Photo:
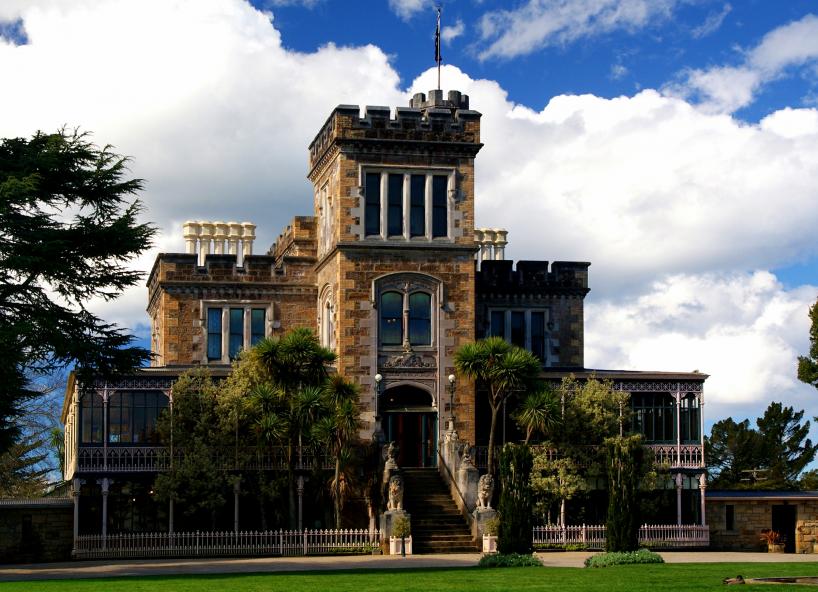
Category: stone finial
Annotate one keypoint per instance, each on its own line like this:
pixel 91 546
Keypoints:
pixel 233 237
pixel 500 243
pixel 190 230
pixel 220 230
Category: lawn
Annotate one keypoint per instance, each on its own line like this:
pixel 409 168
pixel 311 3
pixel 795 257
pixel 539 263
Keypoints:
pixel 630 578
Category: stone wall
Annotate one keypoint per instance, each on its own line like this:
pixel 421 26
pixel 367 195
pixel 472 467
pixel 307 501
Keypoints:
pixel 753 516
pixel 32 533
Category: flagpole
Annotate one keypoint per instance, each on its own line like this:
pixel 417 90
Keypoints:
pixel 438 57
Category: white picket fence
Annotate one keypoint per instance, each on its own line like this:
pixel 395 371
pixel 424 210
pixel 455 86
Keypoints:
pixel 592 536
pixel 286 543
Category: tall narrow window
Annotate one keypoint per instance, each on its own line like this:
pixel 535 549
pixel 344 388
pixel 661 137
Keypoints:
pixel 120 418
pixel 440 222
pixel 729 517
pixel 417 205
pixel 214 333
pixel 420 319
pixel 236 340
pixel 372 210
pixel 257 317
pixel 498 324
pixel 395 206
pixel 538 334
pixel 391 318
pixel 518 328
pixel 91 422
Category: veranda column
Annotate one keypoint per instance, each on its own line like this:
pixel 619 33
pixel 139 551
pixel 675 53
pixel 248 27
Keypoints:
pixel 236 491
pixel 105 483
pixel 678 396
pixel 679 483
pixel 76 485
pixel 300 486
pixel 702 491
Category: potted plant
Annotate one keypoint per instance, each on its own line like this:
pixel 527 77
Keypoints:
pixel 401 539
pixel 774 540
pixel 490 530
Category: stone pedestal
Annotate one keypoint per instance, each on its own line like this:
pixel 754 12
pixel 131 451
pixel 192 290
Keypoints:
pixel 467 478
pixel 481 517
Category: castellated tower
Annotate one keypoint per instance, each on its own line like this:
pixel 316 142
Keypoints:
pixel 395 271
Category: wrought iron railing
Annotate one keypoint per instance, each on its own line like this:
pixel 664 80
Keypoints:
pixel 286 543
pixel 158 458
pixel 592 536
pixel 686 456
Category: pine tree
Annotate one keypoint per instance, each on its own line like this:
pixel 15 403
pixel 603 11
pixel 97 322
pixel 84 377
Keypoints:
pixel 69 227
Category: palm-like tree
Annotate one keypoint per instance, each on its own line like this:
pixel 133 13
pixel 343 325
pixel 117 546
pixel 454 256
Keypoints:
pixel 297 366
pixel 538 413
pixel 500 368
pixel 338 429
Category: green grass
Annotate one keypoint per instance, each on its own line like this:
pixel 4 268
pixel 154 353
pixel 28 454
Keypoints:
pixel 625 578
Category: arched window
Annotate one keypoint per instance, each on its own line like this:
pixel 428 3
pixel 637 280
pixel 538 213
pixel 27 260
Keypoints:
pixel 420 319
pixel 391 318
pixel 327 325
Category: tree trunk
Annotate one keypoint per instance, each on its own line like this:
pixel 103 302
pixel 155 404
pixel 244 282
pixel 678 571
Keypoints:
pixel 528 433
pixel 490 463
pixel 562 512
pixel 337 485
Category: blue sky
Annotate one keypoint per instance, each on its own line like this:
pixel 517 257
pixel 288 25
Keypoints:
pixel 669 142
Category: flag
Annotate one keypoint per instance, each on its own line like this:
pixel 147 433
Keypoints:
pixel 438 58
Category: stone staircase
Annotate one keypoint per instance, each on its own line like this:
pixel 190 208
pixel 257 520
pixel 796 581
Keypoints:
pixel 437 524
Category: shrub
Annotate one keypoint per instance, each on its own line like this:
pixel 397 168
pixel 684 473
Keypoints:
pixel 401 528
pixel 509 560
pixel 515 506
pixel 492 526
pixel 623 558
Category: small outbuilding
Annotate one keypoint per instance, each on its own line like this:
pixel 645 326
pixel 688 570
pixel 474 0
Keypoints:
pixel 738 518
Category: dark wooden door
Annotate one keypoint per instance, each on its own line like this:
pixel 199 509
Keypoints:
pixel 784 524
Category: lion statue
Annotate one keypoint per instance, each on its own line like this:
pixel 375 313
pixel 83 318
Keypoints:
pixel 485 491
pixel 395 493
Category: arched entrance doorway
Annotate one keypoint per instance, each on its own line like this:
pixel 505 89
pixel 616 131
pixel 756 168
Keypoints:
pixel 411 422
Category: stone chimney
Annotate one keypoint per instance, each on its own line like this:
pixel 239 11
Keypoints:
pixel 233 238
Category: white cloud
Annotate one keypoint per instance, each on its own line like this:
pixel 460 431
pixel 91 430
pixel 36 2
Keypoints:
pixel 745 325
pixel 618 71
pixel 725 89
pixel 406 9
pixel 450 33
pixel 540 23
pixel 218 115
pixel 712 23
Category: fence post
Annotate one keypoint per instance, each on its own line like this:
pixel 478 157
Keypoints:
pixel 305 543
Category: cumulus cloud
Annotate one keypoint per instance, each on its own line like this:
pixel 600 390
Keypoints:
pixel 667 201
pixel 744 324
pixel 540 23
pixel 727 88
pixel 450 33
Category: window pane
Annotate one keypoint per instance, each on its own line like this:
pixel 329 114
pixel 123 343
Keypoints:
pixel 214 333
pixel 257 316
pixel 498 324
pixel 440 226
pixel 518 328
pixel 391 318
pixel 417 211
pixel 395 201
pixel 538 334
pixel 420 319
pixel 236 332
pixel 372 212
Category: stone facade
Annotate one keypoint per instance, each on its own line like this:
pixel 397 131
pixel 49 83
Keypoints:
pixel 38 530
pixel 752 516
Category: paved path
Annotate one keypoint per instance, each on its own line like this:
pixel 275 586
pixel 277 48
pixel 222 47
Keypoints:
pixel 102 569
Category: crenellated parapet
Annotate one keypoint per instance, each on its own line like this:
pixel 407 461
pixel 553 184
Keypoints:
pixel 534 277
pixel 432 119
pixel 298 240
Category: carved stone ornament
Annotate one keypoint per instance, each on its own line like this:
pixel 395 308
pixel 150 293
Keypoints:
pixel 485 491
pixel 408 360
pixel 395 493
pixel 465 458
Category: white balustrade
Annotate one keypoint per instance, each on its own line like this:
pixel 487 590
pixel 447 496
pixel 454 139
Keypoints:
pixel 286 543
pixel 670 536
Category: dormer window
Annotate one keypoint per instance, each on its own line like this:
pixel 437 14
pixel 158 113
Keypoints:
pixel 407 204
